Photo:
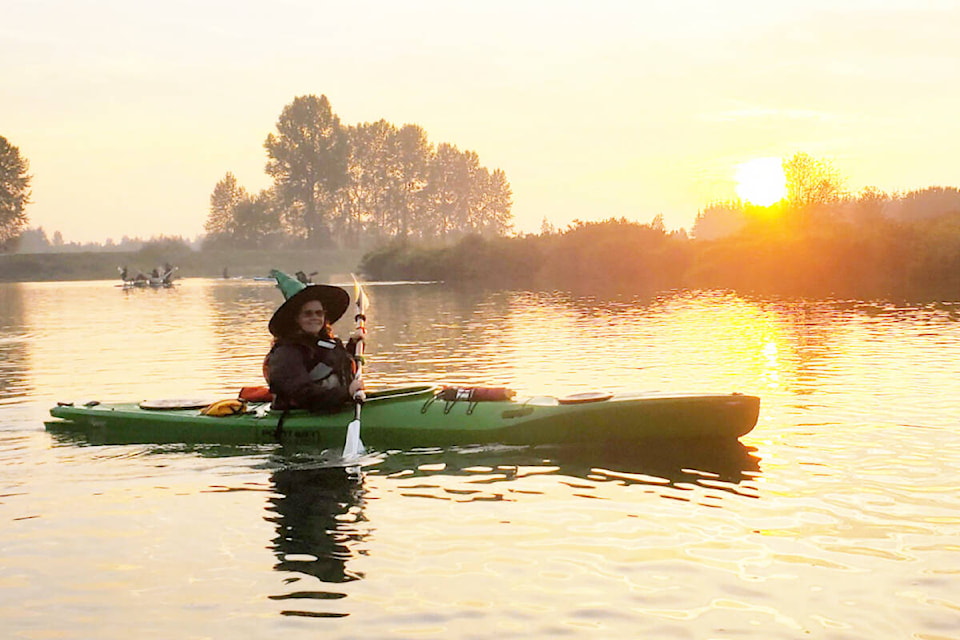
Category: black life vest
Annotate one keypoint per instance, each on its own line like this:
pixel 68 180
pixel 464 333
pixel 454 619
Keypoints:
pixel 323 359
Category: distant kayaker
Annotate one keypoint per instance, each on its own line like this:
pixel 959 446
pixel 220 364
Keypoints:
pixel 308 367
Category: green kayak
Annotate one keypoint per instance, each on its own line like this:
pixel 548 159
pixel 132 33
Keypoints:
pixel 419 416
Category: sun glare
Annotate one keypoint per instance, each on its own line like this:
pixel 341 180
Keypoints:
pixel 761 181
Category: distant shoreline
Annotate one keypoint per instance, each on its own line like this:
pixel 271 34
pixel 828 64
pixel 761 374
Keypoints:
pixel 66 267
pixel 458 269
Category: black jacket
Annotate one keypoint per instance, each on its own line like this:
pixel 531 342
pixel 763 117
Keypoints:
pixel 307 373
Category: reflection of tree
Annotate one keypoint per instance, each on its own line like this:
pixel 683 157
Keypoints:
pixel 13 347
pixel 410 325
pixel 317 511
pixel 239 314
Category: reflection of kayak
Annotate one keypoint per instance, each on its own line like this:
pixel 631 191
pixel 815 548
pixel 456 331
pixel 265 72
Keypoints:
pixel 417 416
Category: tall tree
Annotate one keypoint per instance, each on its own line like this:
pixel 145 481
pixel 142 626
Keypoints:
pixel 371 160
pixel 470 183
pixel 719 220
pixel 461 196
pixel 14 192
pixel 33 241
pixel 409 178
pixel 868 208
pixel 226 196
pixel 256 221
pixel 493 203
pixel 308 162
pixel 444 194
pixel 811 183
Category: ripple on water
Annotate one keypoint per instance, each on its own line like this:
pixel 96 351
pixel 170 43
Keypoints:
pixel 835 518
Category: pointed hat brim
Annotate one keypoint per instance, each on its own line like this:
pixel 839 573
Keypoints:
pixel 334 300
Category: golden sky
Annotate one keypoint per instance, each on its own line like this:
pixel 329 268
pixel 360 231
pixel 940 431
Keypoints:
pixel 131 111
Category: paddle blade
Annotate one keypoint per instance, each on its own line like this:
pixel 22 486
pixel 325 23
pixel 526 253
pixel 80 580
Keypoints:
pixel 353 447
pixel 360 296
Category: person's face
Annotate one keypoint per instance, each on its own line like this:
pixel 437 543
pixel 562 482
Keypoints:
pixel 311 318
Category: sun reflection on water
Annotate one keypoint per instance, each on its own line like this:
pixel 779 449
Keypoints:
pixel 842 497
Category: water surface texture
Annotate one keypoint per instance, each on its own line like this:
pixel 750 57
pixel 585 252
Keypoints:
pixel 837 517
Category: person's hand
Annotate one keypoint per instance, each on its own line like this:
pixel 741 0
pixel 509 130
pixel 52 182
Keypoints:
pixel 359 335
pixel 355 386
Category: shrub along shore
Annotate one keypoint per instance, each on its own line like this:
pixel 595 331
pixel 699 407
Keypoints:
pixel 889 260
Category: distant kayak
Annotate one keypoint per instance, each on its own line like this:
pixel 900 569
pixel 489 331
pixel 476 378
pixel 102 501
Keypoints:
pixel 423 416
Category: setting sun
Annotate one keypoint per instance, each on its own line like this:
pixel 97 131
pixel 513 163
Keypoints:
pixel 761 181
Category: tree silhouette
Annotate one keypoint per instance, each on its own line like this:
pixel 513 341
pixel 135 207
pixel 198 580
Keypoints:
pixel 308 162
pixel 811 183
pixel 14 192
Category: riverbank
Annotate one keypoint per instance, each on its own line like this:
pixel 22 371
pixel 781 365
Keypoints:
pixel 816 258
pixel 46 267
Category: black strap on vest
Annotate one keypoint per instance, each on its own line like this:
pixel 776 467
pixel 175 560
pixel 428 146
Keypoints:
pixel 278 432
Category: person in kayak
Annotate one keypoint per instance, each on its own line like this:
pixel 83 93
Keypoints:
pixel 308 367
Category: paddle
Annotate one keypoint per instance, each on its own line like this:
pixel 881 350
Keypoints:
pixel 353 447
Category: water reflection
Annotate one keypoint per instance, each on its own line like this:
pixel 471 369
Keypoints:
pixel 322 527
pixel 724 465
pixel 210 335
pixel 436 332
pixel 841 499
pixel 542 342
pixel 318 513
pixel 14 341
pixel 239 313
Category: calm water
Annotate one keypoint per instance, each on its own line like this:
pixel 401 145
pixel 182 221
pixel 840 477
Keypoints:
pixel 837 517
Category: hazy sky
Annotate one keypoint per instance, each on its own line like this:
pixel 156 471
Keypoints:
pixel 131 111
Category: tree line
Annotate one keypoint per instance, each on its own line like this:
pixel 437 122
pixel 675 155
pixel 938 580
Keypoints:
pixel 819 240
pixel 436 214
pixel 343 185
pixel 816 193
pixel 37 241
